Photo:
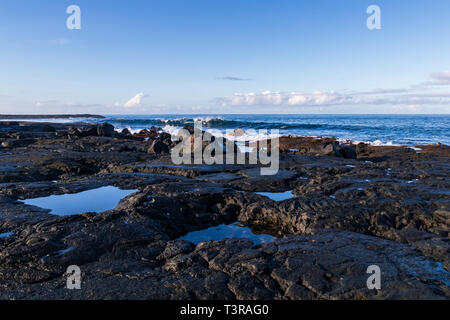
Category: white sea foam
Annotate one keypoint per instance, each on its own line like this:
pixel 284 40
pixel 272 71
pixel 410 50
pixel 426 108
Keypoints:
pixel 251 135
pixel 377 143
pixel 208 119
pixel 173 131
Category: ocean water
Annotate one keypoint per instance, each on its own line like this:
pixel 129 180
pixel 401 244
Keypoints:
pixel 375 129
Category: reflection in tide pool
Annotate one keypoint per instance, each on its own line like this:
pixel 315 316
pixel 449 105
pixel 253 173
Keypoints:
pixel 97 200
pixel 6 235
pixel 63 252
pixel 277 196
pixel 234 230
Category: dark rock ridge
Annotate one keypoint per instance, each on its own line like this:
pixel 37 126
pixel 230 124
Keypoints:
pixel 385 206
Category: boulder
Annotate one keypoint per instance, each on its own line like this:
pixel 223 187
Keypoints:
pixel 105 130
pixel 237 132
pixel 126 132
pixel 346 151
pixel 158 147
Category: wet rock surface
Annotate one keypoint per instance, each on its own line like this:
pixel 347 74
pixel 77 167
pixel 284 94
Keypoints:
pixel 353 206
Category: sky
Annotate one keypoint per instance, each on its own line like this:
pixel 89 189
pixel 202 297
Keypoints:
pixel 224 56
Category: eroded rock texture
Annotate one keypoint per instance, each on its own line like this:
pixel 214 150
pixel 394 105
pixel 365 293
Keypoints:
pixel 353 206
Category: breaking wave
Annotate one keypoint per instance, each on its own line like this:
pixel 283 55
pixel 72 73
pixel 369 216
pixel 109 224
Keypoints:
pixel 220 123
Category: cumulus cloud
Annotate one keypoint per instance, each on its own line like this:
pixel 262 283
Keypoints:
pixel 316 98
pixel 320 98
pixel 423 94
pixel 136 101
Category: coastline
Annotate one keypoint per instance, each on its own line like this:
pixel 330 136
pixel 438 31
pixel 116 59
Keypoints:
pixel 51 116
pixel 376 130
pixel 385 205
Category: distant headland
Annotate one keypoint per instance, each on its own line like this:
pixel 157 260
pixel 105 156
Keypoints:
pixel 49 116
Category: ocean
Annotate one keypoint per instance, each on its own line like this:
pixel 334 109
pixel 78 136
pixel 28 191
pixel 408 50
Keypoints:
pixel 374 129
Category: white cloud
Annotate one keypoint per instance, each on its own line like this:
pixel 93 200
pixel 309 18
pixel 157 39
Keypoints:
pixel 324 99
pixel 382 91
pixel 438 79
pixel 136 101
pixel 413 96
pixel 441 78
pixel 316 98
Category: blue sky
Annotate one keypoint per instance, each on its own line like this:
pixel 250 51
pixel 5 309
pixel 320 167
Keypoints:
pixel 224 56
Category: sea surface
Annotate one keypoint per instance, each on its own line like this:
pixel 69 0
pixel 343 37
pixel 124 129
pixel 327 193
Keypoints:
pixel 375 129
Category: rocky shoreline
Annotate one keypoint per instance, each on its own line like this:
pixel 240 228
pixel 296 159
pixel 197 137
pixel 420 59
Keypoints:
pixel 353 206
